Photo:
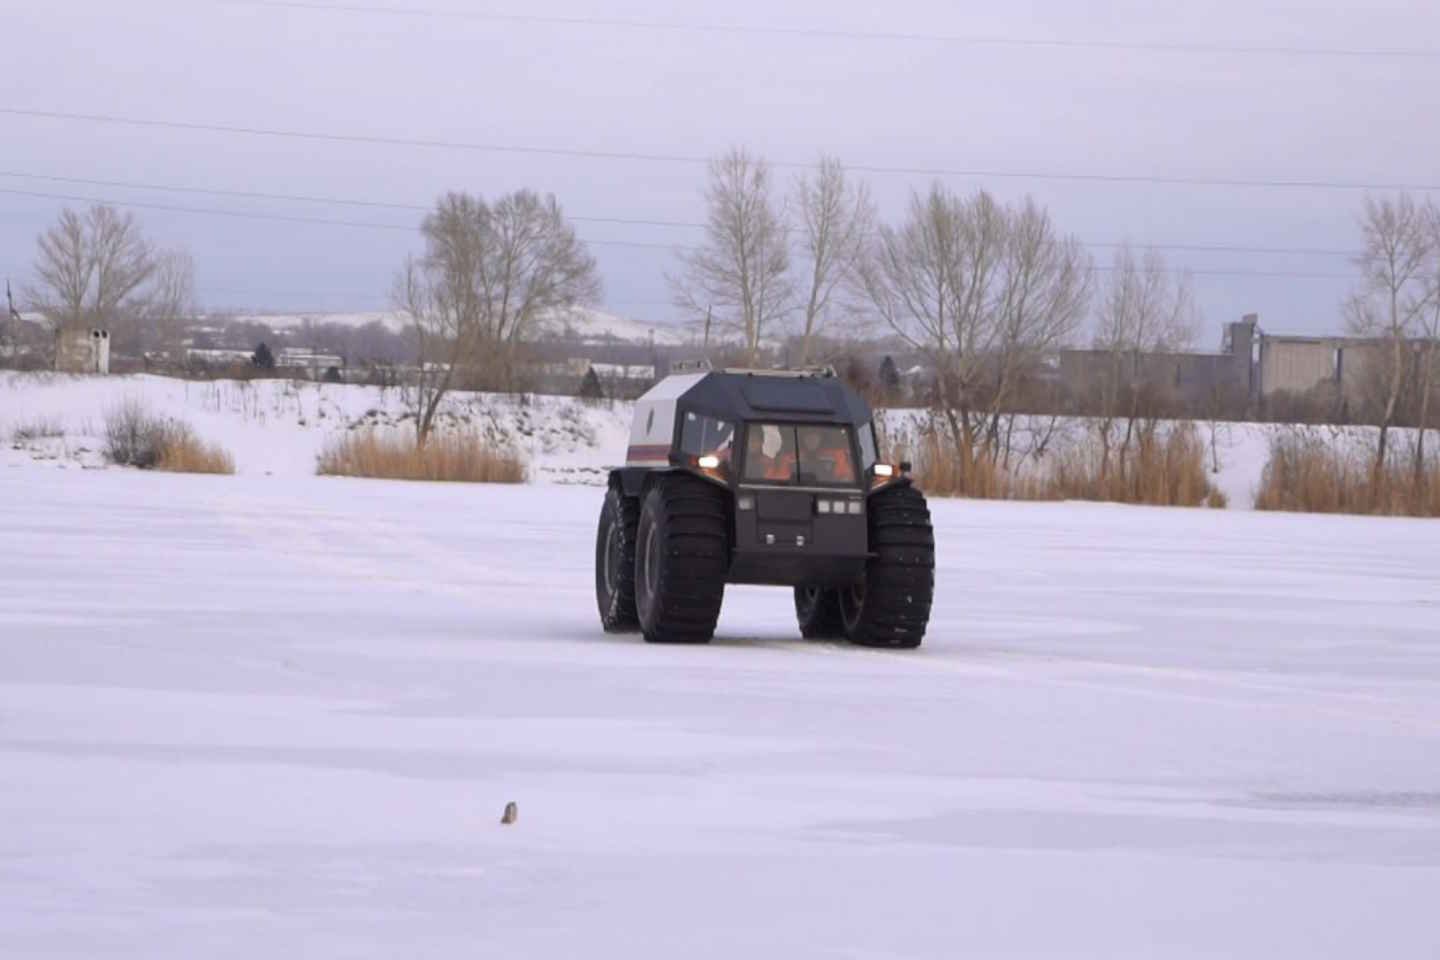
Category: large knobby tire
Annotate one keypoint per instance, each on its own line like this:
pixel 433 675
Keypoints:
pixel 818 610
pixel 615 562
pixel 891 607
pixel 681 559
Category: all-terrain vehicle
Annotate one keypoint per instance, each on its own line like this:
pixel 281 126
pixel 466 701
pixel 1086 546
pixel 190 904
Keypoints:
pixel 762 477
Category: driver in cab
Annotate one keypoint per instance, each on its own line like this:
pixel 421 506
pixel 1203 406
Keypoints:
pixel 761 466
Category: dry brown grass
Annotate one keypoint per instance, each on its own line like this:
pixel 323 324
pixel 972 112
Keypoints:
pixel 1307 474
pixel 447 457
pixel 183 452
pixel 1166 469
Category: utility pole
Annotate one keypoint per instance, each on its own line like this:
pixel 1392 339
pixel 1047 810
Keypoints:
pixel 708 312
pixel 12 316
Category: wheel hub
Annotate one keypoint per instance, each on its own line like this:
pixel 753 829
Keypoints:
pixel 612 558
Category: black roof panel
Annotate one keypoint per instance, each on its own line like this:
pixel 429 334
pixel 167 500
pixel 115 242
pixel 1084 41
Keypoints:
pixel 750 397
pixel 787 396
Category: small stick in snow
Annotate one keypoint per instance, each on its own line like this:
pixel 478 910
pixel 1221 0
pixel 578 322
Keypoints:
pixel 512 813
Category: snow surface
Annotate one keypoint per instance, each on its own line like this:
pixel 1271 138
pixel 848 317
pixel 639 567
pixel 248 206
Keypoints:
pixel 281 716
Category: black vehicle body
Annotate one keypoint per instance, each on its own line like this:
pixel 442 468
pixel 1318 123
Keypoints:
pixel 770 478
pixel 778 534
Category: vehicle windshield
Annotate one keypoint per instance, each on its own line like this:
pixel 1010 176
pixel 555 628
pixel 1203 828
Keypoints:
pixel 803 455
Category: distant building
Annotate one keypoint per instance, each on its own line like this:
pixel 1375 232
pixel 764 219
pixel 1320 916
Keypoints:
pixel 311 362
pixel 82 350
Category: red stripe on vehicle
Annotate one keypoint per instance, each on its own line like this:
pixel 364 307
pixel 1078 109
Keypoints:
pixel 651 452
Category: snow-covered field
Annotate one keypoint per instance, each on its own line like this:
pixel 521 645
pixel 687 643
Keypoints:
pixel 278 427
pixel 280 717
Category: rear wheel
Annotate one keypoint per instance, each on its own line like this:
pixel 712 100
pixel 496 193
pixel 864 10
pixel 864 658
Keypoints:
pixel 615 561
pixel 682 557
pixel 818 610
pixel 891 606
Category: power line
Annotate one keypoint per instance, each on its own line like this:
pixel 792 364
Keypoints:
pixel 361 224
pixel 303 198
pixel 829 33
pixel 630 156
pixel 247 215
pixel 389 205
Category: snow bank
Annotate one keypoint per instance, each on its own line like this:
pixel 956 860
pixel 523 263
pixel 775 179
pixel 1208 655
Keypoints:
pixel 278 427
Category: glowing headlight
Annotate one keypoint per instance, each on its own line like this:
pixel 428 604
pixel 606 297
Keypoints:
pixel 822 506
pixel 856 508
pixel 746 503
pixel 884 470
pixel 709 462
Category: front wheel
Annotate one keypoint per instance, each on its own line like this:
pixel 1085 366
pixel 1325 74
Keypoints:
pixel 891 606
pixel 681 560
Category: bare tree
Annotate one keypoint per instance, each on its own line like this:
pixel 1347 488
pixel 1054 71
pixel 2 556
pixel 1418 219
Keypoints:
pixel 834 219
pixel 489 276
pixel 91 270
pixel 170 302
pixel 63 271
pixel 1393 297
pixel 1145 310
pixel 1429 353
pixel 984 292
pixel 123 259
pixel 740 274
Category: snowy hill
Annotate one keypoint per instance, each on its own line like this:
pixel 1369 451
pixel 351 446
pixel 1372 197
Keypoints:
pixel 585 324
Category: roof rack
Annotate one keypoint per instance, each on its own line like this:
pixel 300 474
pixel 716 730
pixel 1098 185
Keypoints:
pixel 691 366
pixel 826 372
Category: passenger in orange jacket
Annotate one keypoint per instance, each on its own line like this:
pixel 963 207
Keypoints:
pixel 831 462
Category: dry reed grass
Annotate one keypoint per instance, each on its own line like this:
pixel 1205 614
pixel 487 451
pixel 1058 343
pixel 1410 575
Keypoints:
pixel 446 457
pixel 1307 474
pixel 183 452
pixel 1166 468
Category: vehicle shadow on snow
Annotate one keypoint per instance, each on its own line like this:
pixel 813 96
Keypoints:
pixel 778 642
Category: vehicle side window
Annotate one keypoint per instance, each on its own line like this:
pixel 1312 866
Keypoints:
pixel 703 435
pixel 868 455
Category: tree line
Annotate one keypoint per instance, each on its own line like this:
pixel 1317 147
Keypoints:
pixel 982 289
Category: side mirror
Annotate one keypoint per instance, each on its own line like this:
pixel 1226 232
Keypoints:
pixel 906 466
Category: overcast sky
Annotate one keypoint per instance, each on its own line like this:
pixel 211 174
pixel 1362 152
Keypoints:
pixel 898 102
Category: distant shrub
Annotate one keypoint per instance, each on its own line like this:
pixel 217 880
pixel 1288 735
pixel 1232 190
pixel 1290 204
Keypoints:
pixel 446 457
pixel 41 428
pixel 134 437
